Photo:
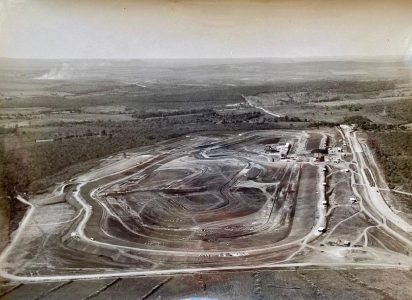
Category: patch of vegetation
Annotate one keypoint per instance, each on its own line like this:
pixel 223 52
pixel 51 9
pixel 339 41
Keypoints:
pixel 153 114
pixel 401 111
pixel 394 152
pixel 4 201
pixel 319 124
pixel 4 130
pixel 3 205
pixel 355 107
pixel 365 123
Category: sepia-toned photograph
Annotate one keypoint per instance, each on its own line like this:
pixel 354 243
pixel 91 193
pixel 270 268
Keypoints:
pixel 205 149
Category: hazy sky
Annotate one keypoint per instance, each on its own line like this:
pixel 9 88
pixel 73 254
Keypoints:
pixel 200 29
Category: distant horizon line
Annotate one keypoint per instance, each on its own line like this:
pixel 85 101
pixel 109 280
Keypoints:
pixel 285 59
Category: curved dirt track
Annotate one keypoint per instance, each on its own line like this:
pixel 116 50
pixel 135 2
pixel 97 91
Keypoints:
pixel 207 202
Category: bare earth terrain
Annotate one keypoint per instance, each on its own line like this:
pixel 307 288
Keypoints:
pixel 127 189
pixel 205 204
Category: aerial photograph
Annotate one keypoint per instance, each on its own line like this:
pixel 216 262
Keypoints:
pixel 205 149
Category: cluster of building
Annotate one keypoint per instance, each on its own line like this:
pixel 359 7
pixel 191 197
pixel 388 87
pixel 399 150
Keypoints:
pixel 324 149
pixel 278 150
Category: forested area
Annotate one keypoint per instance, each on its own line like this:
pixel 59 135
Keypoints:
pixel 394 152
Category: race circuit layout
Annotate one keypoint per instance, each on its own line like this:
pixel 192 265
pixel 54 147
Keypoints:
pixel 213 202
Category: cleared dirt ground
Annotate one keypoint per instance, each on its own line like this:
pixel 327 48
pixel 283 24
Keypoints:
pixel 203 203
pixel 296 283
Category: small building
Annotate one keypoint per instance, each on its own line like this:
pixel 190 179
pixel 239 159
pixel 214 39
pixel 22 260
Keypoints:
pixel 317 156
pixel 74 235
pixel 319 152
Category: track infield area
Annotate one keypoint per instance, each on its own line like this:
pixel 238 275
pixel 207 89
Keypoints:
pixel 213 202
